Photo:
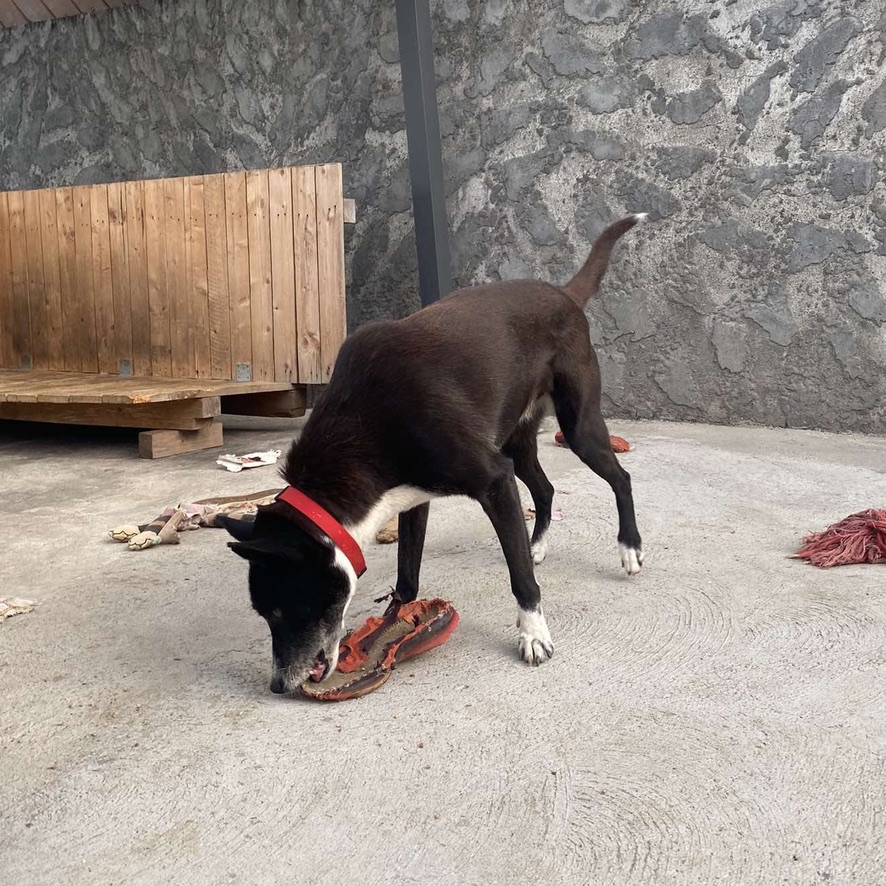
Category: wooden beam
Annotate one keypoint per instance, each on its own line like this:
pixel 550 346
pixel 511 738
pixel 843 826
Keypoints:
pixel 10 15
pixel 51 279
pixel 62 8
pixel 237 232
pixel 21 311
pixel 36 291
pixel 307 291
pixel 34 10
pixel 67 267
pixel 122 347
pixel 7 306
pixel 90 5
pixel 331 257
pixel 273 404
pixel 183 389
pixel 217 277
pixel 260 289
pixel 198 284
pixel 38 386
pixel 86 347
pixel 102 280
pixel 181 327
pixel 179 414
pixel 161 444
pixel 158 290
pixel 283 275
pixel 136 260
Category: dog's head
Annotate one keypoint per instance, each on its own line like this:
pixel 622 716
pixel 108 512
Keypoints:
pixel 301 585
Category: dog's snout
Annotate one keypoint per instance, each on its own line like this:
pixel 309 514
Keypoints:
pixel 277 684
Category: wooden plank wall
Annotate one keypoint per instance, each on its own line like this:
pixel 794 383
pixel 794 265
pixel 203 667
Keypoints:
pixel 200 277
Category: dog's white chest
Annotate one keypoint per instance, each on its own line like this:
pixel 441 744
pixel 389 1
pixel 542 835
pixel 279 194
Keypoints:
pixel 393 502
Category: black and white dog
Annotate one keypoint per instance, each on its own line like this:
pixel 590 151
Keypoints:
pixel 444 402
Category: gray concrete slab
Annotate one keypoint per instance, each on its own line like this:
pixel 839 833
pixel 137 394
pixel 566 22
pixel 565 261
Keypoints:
pixel 720 718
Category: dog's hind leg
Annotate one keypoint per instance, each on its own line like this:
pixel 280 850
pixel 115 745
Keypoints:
pixel 578 413
pixel 413 525
pixel 523 449
pixel 501 502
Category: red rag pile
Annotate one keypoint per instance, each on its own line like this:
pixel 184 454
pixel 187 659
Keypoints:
pixel 858 538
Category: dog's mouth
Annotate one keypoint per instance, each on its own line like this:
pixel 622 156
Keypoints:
pixel 320 668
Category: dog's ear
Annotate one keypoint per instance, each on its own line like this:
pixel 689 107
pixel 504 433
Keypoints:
pixel 267 548
pixel 247 550
pixel 242 530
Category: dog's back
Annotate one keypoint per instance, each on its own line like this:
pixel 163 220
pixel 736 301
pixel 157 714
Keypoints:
pixel 487 351
pixel 477 363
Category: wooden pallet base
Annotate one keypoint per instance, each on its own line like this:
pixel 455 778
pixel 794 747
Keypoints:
pixel 180 415
pixel 277 404
pixel 44 386
pixel 160 444
pixel 183 415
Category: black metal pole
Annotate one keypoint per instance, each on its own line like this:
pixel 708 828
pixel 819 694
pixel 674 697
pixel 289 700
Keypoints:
pixel 423 139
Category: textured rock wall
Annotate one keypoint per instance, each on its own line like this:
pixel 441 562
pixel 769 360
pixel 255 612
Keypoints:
pixel 753 134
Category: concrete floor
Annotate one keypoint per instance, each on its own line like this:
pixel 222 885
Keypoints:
pixel 721 718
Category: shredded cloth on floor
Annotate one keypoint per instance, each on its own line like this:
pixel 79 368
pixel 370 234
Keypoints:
pixel 858 538
pixel 165 528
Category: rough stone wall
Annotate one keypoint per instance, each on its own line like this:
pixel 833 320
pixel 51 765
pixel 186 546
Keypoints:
pixel 751 132
pixel 753 135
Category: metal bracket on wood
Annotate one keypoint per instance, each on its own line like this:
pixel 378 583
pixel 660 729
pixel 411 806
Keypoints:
pixel 244 372
pixel 126 367
pixel 423 138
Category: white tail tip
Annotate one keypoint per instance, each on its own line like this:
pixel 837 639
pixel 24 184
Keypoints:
pixel 640 217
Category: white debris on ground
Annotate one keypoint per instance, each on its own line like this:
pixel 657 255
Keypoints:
pixel 237 463
pixel 10 606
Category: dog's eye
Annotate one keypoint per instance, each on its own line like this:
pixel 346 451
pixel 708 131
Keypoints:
pixel 277 613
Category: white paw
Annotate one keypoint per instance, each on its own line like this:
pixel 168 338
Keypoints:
pixel 631 558
pixel 540 549
pixel 535 643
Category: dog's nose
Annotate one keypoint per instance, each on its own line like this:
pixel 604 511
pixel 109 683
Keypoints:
pixel 277 684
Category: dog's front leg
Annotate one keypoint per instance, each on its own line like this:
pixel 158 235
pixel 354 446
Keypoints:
pixel 411 542
pixel 501 501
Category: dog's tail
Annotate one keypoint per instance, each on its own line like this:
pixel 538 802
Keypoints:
pixel 584 285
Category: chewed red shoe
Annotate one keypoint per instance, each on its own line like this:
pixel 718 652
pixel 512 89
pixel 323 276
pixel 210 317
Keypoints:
pixel 368 654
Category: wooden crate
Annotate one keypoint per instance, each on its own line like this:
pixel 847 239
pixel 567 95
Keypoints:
pixel 237 277
pixel 182 415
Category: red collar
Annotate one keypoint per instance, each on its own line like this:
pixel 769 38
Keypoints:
pixel 322 519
